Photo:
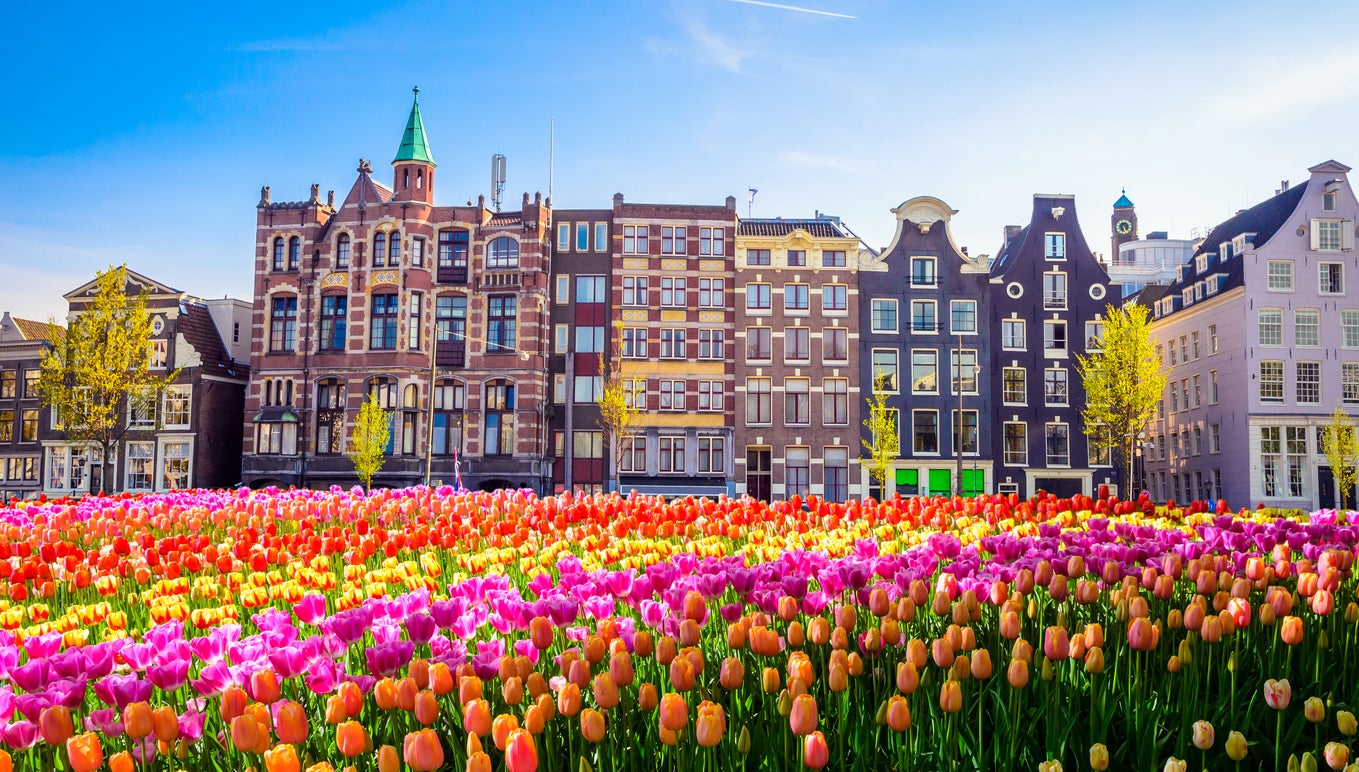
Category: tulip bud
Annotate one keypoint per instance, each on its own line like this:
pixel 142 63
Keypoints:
pixel 1173 665
pixel 1175 765
pixel 881 716
pixel 1314 709
pixel 1018 673
pixel 1099 754
pixel 743 740
pixel 1309 762
pixel 1203 735
pixel 1346 723
pixel 785 703
pixel 585 765
pixel 1236 746
pixel 1094 660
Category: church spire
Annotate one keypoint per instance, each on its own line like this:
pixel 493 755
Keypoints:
pixel 414 145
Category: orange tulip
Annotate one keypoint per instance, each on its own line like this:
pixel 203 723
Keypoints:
pixel 568 700
pixel 118 762
pixel 769 680
pixel 732 675
pixel 908 678
pixel 350 739
pixel 165 724
pixel 815 752
pixel 55 725
pixel 245 733
pixel 951 697
pixel 85 752
pixel 440 678
pixel 478 762
pixel 406 690
pixel 606 693
pixel 1290 630
pixel 592 725
pixel 800 666
pixel 521 754
pixel 981 664
pixel 469 688
pixel 803 717
pixel 264 686
pixel 426 708
pixel 541 632
pixel 137 720
pixel 501 728
pixel 388 760
pixel 423 750
pixel 335 712
pixel 282 758
pixel 620 669
pixel 384 694
pixel 476 717
pixel 898 713
pixel 534 721
pixel 647 697
pixel 710 725
pixel 674 712
pixel 291 724
pixel 353 697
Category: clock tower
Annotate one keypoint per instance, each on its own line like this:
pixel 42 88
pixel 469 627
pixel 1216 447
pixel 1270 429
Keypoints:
pixel 1123 224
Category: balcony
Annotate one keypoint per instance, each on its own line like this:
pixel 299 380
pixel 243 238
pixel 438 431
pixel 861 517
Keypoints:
pixel 500 280
pixel 452 274
pixel 1054 301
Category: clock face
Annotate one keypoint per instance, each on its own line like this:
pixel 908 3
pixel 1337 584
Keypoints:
pixel 1124 227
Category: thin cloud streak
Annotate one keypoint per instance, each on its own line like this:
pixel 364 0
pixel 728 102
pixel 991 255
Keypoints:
pixel 799 9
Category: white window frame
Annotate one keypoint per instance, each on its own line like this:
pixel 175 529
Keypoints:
pixel 163 459
pixel 874 305
pixel 1321 277
pixel 177 391
pixel 1008 341
pixel 1279 275
pixel 1054 246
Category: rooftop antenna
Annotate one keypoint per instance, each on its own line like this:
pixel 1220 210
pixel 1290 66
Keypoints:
pixel 750 202
pixel 497 179
pixel 551 129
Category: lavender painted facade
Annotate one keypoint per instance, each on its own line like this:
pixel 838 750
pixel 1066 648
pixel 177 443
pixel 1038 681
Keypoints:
pixel 1261 341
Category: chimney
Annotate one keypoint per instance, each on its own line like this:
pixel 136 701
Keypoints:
pixel 1010 231
pixel 1283 186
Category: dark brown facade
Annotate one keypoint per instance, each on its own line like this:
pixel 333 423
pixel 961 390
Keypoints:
pixel 23 423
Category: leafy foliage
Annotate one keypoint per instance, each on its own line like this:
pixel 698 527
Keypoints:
pixel 101 364
pixel 618 415
pixel 368 445
pixel 1340 443
pixel 1123 383
pixel 884 443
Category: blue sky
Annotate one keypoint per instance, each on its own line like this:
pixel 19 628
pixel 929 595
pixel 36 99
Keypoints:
pixel 143 134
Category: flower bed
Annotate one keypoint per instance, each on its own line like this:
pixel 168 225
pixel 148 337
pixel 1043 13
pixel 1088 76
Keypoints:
pixel 434 629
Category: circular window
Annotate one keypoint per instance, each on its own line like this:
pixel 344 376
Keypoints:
pixel 157 325
pixel 1014 289
pixel 1302 231
pixel 1097 291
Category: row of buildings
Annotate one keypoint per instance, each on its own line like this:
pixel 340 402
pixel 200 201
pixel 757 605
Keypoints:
pixel 749 346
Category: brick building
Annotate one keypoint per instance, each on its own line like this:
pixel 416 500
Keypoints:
pixel 440 312
pixel 190 436
pixel 672 279
pixel 23 343
pixel 582 332
pixel 797 354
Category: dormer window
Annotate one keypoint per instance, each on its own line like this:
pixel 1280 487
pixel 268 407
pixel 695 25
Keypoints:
pixel 1054 246
pixel 1225 249
pixel 1201 263
pixel 1239 243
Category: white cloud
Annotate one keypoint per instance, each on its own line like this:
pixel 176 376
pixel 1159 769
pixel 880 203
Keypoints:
pixel 702 45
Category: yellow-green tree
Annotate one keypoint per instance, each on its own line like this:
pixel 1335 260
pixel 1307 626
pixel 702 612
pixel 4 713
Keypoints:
pixel 619 411
pixel 884 443
pixel 1340 443
pixel 368 444
pixel 1123 381
pixel 103 362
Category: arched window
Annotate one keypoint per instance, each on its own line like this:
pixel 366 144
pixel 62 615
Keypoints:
pixel 330 406
pixel 410 396
pixel 393 249
pixel 342 251
pixel 449 399
pixel 294 253
pixel 502 253
pixel 499 410
pixel 278 253
pixel 379 249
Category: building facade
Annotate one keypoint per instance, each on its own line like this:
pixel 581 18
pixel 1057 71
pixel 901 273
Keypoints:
pixel 672 280
pixel 583 337
pixel 1048 296
pixel 1261 339
pixel 439 313
pixel 23 422
pixel 187 437
pixel 923 323
pixel 797 356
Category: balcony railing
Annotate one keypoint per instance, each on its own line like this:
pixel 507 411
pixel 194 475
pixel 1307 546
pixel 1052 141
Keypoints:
pixel 500 280
pixel 1054 301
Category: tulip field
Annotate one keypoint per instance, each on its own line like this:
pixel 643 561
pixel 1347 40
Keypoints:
pixel 434 629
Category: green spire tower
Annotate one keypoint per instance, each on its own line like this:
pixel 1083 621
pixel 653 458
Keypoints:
pixel 414 163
